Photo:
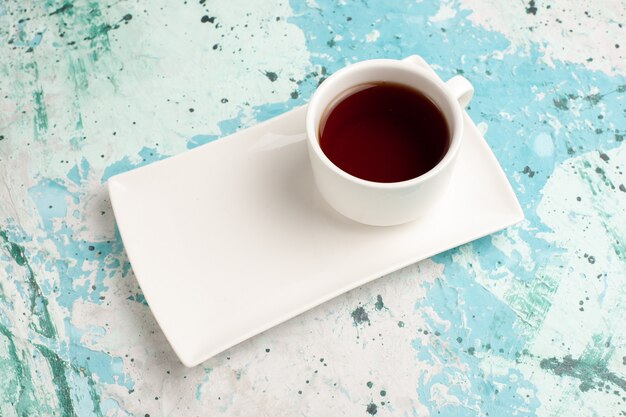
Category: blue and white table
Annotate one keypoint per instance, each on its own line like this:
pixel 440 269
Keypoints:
pixel 529 321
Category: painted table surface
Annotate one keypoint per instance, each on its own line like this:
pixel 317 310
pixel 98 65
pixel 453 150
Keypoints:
pixel 528 321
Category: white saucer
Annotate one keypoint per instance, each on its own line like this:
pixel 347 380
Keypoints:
pixel 232 238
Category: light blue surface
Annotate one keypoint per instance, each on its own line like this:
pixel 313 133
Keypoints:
pixel 526 322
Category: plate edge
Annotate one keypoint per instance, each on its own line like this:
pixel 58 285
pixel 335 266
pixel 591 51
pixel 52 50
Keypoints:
pixel 202 358
pixel 113 184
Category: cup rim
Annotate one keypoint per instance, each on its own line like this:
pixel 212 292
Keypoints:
pixel 456 123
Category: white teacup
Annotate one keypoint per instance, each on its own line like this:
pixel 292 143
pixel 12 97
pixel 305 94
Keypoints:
pixel 376 203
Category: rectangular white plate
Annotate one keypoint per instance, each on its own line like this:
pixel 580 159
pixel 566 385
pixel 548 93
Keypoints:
pixel 232 238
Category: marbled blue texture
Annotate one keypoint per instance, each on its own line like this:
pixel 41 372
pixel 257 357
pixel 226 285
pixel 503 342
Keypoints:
pixel 525 322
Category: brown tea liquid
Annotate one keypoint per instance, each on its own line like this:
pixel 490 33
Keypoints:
pixel 384 132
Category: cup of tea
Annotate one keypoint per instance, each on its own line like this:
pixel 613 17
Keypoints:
pixel 383 137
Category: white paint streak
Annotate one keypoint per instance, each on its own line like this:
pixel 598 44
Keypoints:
pixel 578 32
pixel 575 206
pixel 445 12
pixel 482 127
pixel 372 36
pixel 439 394
pixel 543 145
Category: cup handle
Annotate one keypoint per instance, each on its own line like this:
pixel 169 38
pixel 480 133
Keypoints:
pixel 459 86
pixel 461 89
pixel 419 61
